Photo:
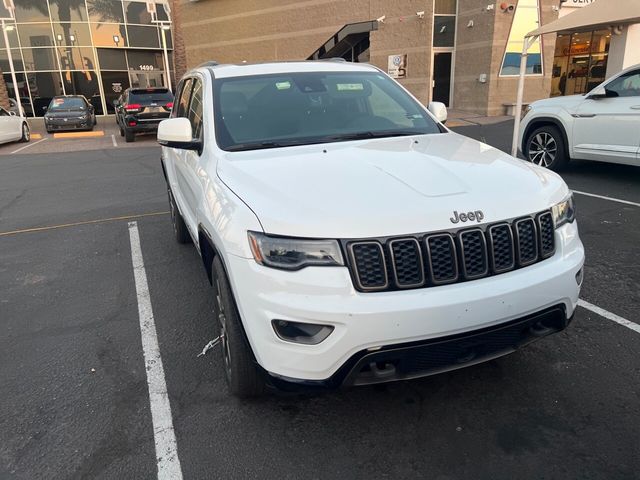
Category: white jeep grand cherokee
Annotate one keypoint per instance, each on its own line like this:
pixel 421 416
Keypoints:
pixel 350 237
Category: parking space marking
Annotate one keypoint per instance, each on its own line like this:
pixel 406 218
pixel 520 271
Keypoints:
pixel 609 316
pixel 163 432
pixel 113 140
pixel 96 133
pixel 86 222
pixel 627 202
pixel 28 145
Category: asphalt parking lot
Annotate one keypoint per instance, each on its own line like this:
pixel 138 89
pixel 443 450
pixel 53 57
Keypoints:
pixel 75 399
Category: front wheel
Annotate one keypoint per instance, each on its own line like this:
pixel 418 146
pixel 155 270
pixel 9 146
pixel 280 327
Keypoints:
pixel 26 133
pixel 240 370
pixel 545 147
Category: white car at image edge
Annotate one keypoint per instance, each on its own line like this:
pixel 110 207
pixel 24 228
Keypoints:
pixel 13 128
pixel 603 125
pixel 350 237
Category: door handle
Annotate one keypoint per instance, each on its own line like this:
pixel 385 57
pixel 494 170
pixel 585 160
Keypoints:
pixel 635 107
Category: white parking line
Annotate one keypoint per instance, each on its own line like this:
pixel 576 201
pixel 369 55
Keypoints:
pixel 163 432
pixel 627 202
pixel 28 145
pixel 113 139
pixel 609 316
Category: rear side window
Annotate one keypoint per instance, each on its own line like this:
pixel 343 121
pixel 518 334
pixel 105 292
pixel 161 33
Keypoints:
pixel 182 101
pixel 195 109
pixel 146 97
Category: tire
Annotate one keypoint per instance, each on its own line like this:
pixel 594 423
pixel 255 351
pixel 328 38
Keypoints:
pixel 49 130
pixel 129 136
pixel 546 147
pixel 121 131
pixel 26 133
pixel 239 365
pixel 179 227
pixel 95 121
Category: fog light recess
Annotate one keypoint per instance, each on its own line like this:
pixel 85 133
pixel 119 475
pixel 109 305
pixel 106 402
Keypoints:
pixel 305 333
pixel 580 276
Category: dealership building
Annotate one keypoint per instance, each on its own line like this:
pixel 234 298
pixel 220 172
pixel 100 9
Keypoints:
pixel 465 53
pixel 95 48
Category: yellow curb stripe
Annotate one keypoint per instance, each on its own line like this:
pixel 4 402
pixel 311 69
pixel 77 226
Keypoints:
pixel 75 224
pixel 36 136
pixel 97 133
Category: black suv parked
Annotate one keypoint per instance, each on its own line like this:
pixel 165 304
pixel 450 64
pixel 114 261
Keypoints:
pixel 141 110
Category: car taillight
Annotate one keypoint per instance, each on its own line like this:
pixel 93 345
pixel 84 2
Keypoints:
pixel 169 105
pixel 132 107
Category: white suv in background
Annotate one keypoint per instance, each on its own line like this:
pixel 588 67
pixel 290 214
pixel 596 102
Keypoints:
pixel 602 125
pixel 350 237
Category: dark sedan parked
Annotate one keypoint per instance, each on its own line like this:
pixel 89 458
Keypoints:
pixel 140 110
pixel 69 112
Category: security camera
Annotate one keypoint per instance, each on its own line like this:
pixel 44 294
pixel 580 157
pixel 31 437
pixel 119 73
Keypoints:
pixel 420 14
pixel 381 19
pixel 507 7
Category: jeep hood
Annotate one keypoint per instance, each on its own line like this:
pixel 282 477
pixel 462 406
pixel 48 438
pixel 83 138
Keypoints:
pixel 388 186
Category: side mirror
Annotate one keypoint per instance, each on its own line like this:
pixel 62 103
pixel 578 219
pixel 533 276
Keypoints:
pixel 177 133
pixel 13 114
pixel 597 93
pixel 438 110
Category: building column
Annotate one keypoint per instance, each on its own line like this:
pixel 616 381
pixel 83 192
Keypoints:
pixel 623 50
pixel 179 53
pixel 4 94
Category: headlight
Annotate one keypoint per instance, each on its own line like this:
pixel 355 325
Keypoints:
pixel 293 253
pixel 564 212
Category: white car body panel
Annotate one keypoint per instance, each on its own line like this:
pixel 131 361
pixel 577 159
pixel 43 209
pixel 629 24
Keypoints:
pixel 10 127
pixel 361 189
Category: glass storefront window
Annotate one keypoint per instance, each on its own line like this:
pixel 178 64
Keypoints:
pixel 162 14
pixel 525 19
pixel 12 35
pixel 23 89
pixel 17 60
pixel 31 11
pixel 72 34
pixel 444 31
pixel 445 7
pixel 68 10
pixel 136 12
pixel 105 11
pixel 143 37
pixel 83 83
pixel 39 59
pixel 35 35
pixel 145 61
pixel 43 86
pixel 76 58
pixel 109 35
pixel 112 59
pixel 114 83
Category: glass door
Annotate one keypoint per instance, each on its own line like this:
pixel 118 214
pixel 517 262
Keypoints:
pixel 442 63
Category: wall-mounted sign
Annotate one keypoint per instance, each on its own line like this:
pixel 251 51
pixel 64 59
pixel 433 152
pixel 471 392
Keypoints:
pixel 116 87
pixel 397 66
pixel 577 3
pixel 146 67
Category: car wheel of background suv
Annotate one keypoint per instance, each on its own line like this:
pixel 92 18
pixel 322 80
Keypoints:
pixel 179 227
pixel 129 136
pixel 26 133
pixel 121 131
pixel 243 377
pixel 545 147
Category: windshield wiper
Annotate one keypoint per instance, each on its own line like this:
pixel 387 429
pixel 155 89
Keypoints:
pixel 256 146
pixel 371 134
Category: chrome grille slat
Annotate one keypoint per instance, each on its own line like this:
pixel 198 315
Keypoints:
pixel 466 254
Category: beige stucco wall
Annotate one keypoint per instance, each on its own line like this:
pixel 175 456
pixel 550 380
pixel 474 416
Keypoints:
pixel 265 30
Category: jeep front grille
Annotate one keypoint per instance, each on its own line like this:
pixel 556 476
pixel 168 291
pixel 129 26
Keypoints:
pixel 432 259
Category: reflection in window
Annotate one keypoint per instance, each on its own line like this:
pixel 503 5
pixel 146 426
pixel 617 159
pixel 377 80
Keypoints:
pixel 114 83
pixel 35 35
pixel 77 58
pixel 105 11
pixel 4 60
pixel 136 12
pixel 44 86
pixel 444 31
pixel 12 36
pixel 161 13
pixel 72 34
pixel 109 35
pixel 31 11
pixel 145 37
pixel 525 19
pixel 68 10
pixel 23 89
pixel 445 7
pixel 112 59
pixel 83 83
pixel 39 59
pixel 145 60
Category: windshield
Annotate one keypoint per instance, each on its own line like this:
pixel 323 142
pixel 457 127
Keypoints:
pixel 268 111
pixel 72 103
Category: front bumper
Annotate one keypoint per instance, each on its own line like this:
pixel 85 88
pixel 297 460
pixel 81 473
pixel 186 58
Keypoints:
pixel 377 322
pixel 75 124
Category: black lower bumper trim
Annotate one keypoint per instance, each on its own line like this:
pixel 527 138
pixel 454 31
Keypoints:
pixel 429 357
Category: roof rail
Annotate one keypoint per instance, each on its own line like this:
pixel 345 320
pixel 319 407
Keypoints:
pixel 332 59
pixel 210 63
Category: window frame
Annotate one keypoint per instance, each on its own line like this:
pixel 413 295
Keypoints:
pixel 540 39
pixel 195 82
